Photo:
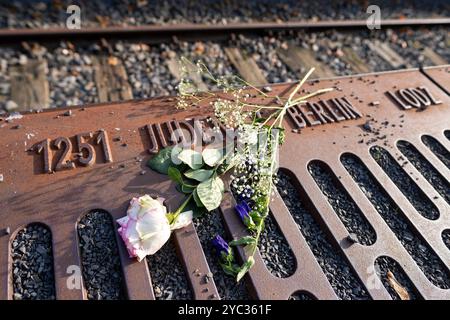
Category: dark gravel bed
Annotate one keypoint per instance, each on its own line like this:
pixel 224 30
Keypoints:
pixel 385 264
pixel 264 51
pixel 420 251
pixel 101 268
pixel 71 74
pixel 32 264
pixel 302 296
pixel 346 209
pixel 168 276
pixel 446 237
pixel 209 53
pixel 433 176
pixel 405 183
pixel 36 14
pixel 327 252
pixel 437 148
pixel 147 72
pixel 207 227
pixel 275 250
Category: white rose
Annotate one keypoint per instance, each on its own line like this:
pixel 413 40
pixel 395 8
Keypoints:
pixel 145 228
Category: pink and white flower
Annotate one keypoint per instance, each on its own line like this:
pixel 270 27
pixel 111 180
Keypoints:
pixel 145 228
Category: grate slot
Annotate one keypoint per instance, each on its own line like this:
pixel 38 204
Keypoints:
pixel 385 264
pixel 101 268
pixel 437 148
pixel 446 237
pixel 302 295
pixel 405 183
pixel 419 250
pixel 346 209
pixel 429 172
pixel 33 275
pixel 338 271
pixel 168 277
pixel 227 287
pixel 275 251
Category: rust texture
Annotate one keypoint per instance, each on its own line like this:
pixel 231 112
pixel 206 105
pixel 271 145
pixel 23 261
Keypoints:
pixel 100 172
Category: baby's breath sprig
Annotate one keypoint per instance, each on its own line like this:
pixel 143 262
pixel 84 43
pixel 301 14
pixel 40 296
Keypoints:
pixel 255 161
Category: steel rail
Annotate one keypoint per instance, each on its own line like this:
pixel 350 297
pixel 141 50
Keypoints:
pixel 157 33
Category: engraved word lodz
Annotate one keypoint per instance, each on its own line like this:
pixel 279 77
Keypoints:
pixel 85 153
pixel 323 111
pixel 408 98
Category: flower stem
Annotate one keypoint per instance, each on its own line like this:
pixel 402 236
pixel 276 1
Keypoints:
pixel 180 208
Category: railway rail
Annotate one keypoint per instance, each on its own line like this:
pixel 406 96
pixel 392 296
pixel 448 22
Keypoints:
pixel 159 33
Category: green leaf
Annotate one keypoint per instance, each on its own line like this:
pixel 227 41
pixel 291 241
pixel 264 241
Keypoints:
pixel 228 269
pixel 198 211
pixel 162 160
pixel 210 192
pixel 245 267
pixel 192 158
pixel 243 240
pixel 187 189
pixel 212 156
pixel 199 175
pixel 175 175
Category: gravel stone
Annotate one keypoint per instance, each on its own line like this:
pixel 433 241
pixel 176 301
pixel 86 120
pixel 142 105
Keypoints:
pixel 446 237
pixel 327 252
pixel 207 227
pixel 433 176
pixel 302 296
pixel 425 257
pixel 405 183
pixel 33 274
pixel 275 250
pixel 101 268
pixel 167 274
pixel 385 264
pixel 346 209
pixel 437 148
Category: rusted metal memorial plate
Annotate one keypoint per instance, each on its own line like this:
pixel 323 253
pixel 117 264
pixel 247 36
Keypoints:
pixel 87 168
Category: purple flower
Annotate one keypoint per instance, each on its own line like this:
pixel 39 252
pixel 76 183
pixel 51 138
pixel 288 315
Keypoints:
pixel 220 245
pixel 243 210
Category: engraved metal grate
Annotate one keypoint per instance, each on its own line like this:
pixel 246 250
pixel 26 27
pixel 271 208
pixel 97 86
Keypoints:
pixel 363 195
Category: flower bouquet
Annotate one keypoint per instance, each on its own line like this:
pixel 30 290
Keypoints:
pixel 247 137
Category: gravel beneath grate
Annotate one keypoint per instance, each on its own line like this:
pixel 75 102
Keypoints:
pixel 207 227
pixel 167 274
pixel 329 256
pixel 346 209
pixel 420 251
pixel 102 273
pixel 32 264
pixel 302 296
pixel 405 183
pixel 385 264
pixel 437 148
pixel 438 182
pixel 275 250
pixel 447 134
pixel 446 237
